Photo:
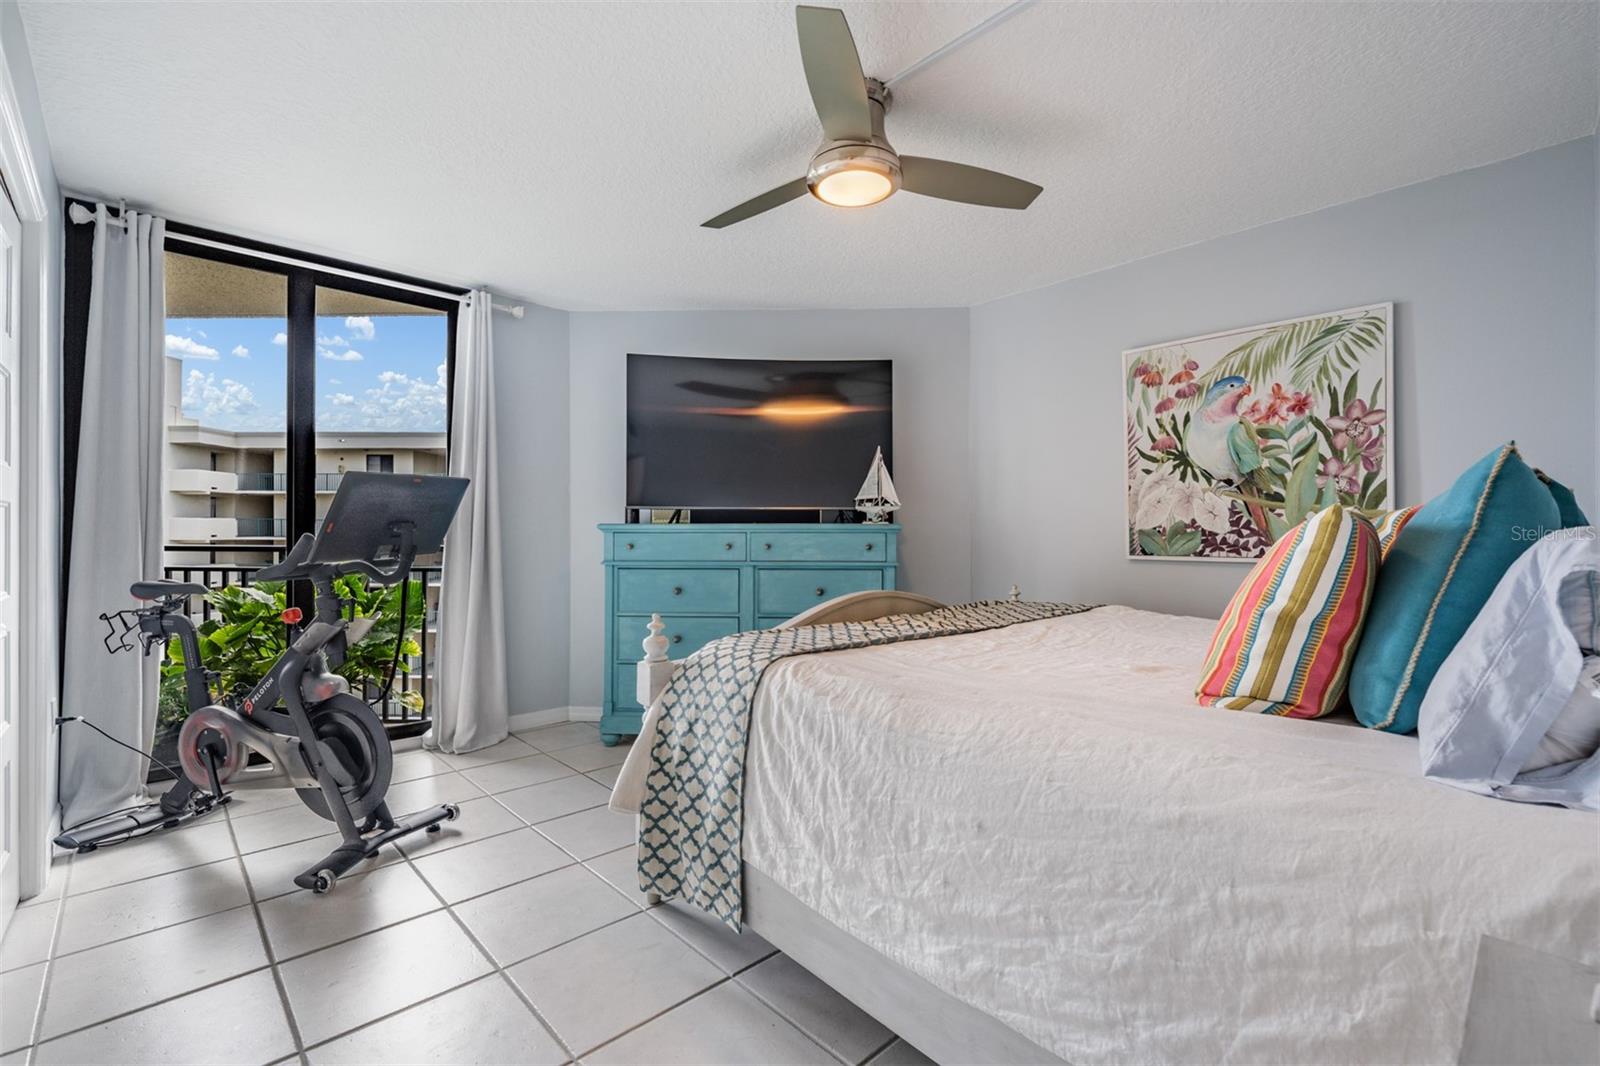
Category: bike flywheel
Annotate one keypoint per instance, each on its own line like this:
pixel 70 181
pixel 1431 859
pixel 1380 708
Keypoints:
pixel 353 742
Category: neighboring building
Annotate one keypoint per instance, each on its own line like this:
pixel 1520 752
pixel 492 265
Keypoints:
pixel 226 490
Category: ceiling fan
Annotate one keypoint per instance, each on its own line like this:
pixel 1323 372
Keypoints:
pixel 856 166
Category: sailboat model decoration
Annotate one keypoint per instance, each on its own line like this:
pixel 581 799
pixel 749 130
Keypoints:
pixel 876 497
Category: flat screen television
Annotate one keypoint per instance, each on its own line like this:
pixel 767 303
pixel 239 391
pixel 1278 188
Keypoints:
pixel 754 434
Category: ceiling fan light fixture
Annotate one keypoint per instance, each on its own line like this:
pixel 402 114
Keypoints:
pixel 854 175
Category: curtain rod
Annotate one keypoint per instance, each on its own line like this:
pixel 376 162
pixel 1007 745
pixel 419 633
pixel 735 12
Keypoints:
pixel 82 215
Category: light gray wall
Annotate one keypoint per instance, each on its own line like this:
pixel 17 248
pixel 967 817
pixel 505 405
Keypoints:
pixel 1492 272
pixel 930 353
pixel 531 415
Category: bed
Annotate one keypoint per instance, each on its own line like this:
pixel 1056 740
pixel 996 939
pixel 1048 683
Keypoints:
pixel 1030 844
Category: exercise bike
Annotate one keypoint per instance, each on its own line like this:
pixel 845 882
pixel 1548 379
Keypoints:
pixel 323 742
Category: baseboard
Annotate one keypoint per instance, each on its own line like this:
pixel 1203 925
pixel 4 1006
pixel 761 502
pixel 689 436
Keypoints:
pixel 533 719
pixel 583 714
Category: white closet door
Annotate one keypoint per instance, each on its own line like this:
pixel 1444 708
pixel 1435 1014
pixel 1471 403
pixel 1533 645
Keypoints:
pixel 10 348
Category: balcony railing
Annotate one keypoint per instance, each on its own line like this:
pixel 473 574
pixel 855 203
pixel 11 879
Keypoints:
pixel 262 527
pixel 415 673
pixel 266 481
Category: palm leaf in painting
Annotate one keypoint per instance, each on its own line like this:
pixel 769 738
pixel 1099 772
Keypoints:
pixel 1336 351
pixel 1319 352
pixel 1262 356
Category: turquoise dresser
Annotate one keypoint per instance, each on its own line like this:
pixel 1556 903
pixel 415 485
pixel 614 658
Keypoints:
pixel 707 581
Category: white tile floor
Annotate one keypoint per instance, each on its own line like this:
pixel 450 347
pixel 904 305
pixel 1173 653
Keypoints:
pixel 516 935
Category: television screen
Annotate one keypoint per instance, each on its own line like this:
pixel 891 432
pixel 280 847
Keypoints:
pixel 754 434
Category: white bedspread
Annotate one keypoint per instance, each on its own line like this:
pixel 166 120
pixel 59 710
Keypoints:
pixel 1041 821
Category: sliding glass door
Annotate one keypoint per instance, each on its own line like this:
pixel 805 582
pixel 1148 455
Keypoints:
pixel 281 378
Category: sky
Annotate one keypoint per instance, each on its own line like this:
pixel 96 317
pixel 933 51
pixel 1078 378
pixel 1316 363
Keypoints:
pixel 384 372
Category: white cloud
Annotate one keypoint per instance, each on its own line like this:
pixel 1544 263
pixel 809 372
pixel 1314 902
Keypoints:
pixel 241 352
pixel 334 341
pixel 188 348
pixel 280 339
pixel 361 327
pixel 349 355
pixel 399 402
pixel 335 381
pixel 204 397
pixel 341 399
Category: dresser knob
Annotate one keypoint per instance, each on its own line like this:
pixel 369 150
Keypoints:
pixel 820 590
pixel 869 545
pixel 766 547
pixel 677 590
pixel 728 547
pixel 677 638
pixel 630 545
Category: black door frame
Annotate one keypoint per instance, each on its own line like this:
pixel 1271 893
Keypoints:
pixel 302 277
pixel 300 387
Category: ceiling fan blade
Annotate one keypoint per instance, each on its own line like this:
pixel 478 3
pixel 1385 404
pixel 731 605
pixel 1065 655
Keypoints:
pixel 754 206
pixel 968 185
pixel 833 71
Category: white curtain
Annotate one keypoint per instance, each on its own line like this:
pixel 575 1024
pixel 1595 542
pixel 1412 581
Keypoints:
pixel 471 708
pixel 116 518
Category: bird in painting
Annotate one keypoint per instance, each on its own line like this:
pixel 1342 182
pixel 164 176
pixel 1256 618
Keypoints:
pixel 1224 444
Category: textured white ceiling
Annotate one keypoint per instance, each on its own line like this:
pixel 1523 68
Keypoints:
pixel 568 152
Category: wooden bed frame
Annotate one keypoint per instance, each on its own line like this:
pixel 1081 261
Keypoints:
pixel 936 1023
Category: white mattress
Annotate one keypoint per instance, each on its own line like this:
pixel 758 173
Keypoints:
pixel 1042 822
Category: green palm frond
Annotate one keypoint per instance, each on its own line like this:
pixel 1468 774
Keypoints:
pixel 1263 355
pixel 1317 351
pixel 1335 351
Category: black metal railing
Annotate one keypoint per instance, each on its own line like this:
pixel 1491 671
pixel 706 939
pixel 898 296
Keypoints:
pixel 262 527
pixel 415 674
pixel 268 481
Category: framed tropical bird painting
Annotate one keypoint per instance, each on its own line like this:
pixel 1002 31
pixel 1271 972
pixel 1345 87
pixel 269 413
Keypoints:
pixel 1234 437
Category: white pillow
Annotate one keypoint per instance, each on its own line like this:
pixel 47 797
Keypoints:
pixel 1575 734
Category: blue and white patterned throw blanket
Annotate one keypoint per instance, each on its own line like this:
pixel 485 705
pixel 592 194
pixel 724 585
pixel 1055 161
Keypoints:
pixel 691 821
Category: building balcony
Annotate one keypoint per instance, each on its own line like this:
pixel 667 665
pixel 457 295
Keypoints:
pixel 268 481
pixel 186 530
pixel 260 527
pixel 201 482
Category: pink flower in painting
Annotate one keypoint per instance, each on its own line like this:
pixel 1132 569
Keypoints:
pixel 1371 454
pixel 1164 443
pixel 1341 473
pixel 1190 364
pixel 1151 376
pixel 1299 404
pixel 1180 377
pixel 1187 390
pixel 1355 424
pixel 1166 405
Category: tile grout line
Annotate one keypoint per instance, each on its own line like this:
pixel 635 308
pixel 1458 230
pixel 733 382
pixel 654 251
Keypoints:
pixel 163 1001
pixel 266 944
pixel 36 1030
pixel 880 1050
pixel 516 989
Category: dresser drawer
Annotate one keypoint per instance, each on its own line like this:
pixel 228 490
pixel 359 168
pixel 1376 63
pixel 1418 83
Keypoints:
pixel 677 591
pixel 624 685
pixel 649 545
pixel 684 634
pixel 788 592
pixel 819 547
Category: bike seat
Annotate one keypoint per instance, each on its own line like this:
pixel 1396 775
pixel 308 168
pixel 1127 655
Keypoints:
pixel 161 589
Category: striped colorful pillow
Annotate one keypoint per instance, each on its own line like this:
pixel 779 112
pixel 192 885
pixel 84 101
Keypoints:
pixel 1285 644
pixel 1389 524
